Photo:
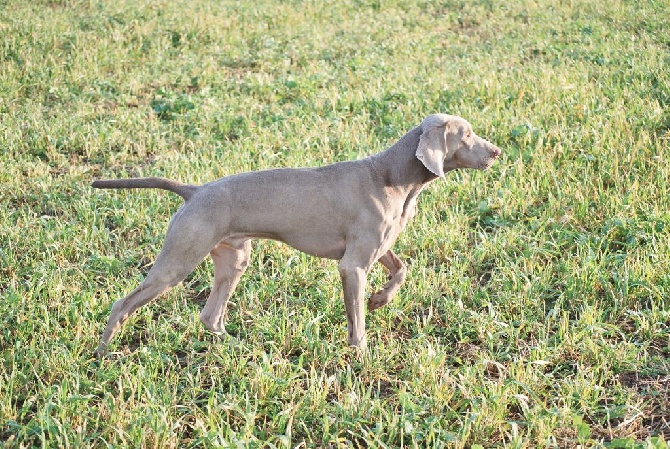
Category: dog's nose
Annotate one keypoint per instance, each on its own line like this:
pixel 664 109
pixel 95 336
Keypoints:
pixel 495 151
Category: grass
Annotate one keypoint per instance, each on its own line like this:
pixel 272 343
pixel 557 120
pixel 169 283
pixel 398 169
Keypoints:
pixel 536 309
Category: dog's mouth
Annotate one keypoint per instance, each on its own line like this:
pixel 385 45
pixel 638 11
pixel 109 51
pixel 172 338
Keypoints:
pixel 488 163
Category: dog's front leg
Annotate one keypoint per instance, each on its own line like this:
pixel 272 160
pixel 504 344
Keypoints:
pixel 354 277
pixel 397 272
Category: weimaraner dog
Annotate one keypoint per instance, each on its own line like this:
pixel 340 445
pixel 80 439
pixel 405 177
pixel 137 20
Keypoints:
pixel 349 211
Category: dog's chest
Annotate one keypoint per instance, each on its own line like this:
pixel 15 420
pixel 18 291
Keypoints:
pixel 409 208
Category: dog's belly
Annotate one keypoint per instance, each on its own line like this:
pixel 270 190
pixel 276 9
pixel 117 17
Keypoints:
pixel 313 243
pixel 316 245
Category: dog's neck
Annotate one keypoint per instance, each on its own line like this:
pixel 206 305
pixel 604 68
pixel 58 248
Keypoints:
pixel 403 154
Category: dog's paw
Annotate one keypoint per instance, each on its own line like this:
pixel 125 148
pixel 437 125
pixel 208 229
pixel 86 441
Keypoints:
pixel 358 344
pixel 100 352
pixel 220 333
pixel 379 299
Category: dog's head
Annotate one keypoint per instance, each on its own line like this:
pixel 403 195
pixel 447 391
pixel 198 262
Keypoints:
pixel 447 142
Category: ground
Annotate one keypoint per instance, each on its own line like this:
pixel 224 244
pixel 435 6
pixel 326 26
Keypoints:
pixel 535 311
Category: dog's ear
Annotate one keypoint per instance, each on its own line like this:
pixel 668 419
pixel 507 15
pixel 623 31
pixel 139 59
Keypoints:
pixel 432 148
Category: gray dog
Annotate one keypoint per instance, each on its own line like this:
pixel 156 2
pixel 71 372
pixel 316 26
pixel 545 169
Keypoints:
pixel 349 211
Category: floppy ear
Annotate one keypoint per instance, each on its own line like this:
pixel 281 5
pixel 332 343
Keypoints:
pixel 432 148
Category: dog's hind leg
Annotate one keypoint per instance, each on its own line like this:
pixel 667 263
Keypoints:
pixel 149 289
pixel 183 250
pixel 231 259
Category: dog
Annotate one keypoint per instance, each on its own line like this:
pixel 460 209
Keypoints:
pixel 349 211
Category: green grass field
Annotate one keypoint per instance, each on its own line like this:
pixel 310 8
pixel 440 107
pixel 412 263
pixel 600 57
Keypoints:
pixel 536 311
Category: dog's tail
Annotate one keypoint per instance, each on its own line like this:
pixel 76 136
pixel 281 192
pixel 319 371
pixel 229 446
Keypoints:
pixel 186 191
